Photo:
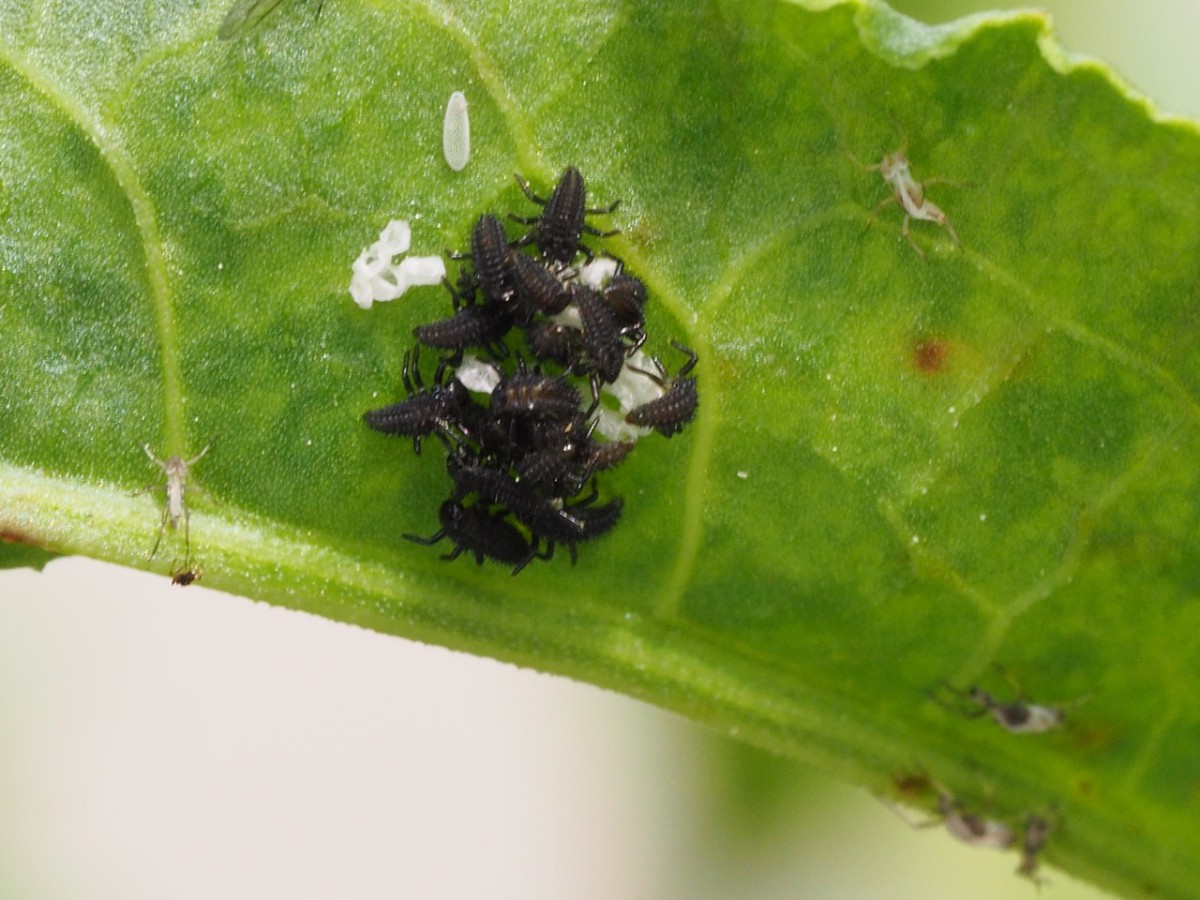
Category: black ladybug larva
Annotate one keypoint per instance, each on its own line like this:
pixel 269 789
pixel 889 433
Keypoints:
pixel 479 325
pixel 669 413
pixel 426 410
pixel 483 534
pixel 524 441
pixel 541 290
pixel 559 229
pixel 536 396
pixel 592 522
pixel 492 261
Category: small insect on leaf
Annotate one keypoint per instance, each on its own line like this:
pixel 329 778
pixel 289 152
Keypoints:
pixel 1016 717
pixel 973 829
pixel 909 194
pixel 185 576
pixel 243 16
pixel 176 469
pixel 456 133
pixel 969 828
pixel 1037 830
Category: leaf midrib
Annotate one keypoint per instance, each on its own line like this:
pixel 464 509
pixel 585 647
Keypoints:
pixel 722 683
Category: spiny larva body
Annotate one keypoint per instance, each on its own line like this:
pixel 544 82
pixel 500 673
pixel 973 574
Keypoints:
pixel 675 408
pixel 481 533
pixel 456 133
pixel 495 486
pixel 601 335
pixel 595 521
pixel 536 396
pixel 472 326
pixel 538 288
pixel 558 230
pixel 426 411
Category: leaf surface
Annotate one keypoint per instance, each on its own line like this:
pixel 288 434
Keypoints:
pixel 903 470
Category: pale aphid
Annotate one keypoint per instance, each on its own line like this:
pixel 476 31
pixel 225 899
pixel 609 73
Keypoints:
pixel 1019 717
pixel 969 828
pixel 1016 717
pixel 243 16
pixel 973 829
pixel 456 133
pixel 1037 830
pixel 176 469
pixel 910 194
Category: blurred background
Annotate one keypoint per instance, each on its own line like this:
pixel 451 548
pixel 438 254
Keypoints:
pixel 166 743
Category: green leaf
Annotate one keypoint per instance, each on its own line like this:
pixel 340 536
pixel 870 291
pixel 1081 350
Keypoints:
pixel 903 470
pixel 22 556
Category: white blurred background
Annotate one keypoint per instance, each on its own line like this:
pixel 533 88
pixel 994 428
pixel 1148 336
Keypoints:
pixel 165 743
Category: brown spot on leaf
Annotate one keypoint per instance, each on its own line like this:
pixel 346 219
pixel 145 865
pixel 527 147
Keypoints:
pixel 929 355
pixel 16 537
pixel 911 786
pixel 1091 735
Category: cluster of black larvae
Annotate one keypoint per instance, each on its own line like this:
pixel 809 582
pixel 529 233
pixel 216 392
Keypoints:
pixel 523 426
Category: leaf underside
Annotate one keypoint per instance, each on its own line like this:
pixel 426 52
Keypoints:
pixel 903 470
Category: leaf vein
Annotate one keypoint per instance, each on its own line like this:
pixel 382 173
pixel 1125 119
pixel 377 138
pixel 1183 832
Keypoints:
pixel 439 16
pixel 144 213
pixel 1062 574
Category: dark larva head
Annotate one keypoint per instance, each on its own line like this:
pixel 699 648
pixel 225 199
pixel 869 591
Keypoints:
pixel 626 297
pixel 555 342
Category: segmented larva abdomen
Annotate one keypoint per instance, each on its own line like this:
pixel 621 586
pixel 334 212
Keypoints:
pixel 456 132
